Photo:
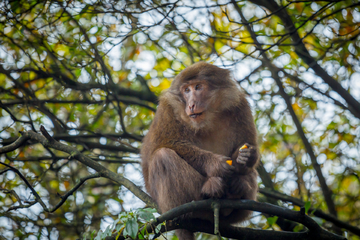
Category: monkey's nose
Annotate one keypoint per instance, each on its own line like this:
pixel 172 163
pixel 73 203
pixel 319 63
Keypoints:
pixel 191 107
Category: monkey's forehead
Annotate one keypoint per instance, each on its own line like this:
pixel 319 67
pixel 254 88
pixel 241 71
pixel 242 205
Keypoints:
pixel 203 72
pixel 194 81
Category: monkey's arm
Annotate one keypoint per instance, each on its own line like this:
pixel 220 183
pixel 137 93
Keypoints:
pixel 205 162
pixel 245 159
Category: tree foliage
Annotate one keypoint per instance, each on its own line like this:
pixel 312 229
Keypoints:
pixel 90 73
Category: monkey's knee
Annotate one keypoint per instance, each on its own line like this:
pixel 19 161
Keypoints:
pixel 164 161
pixel 172 181
pixel 243 187
pixel 165 153
pixel 171 164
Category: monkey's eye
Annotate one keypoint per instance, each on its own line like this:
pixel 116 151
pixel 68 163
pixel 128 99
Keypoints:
pixel 198 87
pixel 187 90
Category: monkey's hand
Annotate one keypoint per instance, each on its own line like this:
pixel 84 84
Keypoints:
pixel 218 171
pixel 247 156
pixel 218 167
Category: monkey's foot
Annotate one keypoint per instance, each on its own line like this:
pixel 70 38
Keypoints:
pixel 213 188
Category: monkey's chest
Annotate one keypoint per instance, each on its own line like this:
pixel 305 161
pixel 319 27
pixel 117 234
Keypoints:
pixel 219 142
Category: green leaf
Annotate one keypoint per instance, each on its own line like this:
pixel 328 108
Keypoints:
pixel 131 228
pixel 272 220
pixel 143 234
pixel 98 236
pixel 107 232
pixel 307 206
pixel 147 214
pixel 318 220
pixel 158 228
pixel 119 226
pixel 92 235
pixel 298 228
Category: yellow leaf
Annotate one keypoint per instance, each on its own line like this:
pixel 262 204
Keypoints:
pixel 348 138
pixel 293 55
pixel 244 48
pixel 165 84
pixel 346 182
pixel 2 79
pixel 66 184
pixel 296 107
pixel 54 184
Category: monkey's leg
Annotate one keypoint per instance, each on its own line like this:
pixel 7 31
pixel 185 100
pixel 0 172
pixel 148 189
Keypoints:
pixel 174 182
pixel 241 187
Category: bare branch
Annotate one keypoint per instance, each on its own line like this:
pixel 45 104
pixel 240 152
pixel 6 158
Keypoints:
pixel 15 145
pixel 125 100
pixel 77 186
pixel 104 172
pixel 314 230
pixel 274 74
pixel 37 197
pixel 302 52
pixel 21 205
pixel 317 212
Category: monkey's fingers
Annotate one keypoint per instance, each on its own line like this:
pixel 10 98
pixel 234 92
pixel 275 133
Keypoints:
pixel 245 154
pixel 241 160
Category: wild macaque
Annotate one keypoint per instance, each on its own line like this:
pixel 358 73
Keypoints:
pixel 192 150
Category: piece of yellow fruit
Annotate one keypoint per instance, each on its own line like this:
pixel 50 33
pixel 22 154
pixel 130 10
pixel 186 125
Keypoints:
pixel 229 162
pixel 243 147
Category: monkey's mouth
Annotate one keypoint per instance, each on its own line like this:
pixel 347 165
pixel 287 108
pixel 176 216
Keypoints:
pixel 195 115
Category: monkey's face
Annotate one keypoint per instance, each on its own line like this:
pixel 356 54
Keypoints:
pixel 196 94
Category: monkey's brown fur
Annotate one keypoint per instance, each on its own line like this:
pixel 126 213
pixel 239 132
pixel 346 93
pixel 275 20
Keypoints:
pixel 185 161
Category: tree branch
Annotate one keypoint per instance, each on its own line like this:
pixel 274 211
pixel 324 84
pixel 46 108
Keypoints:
pixel 304 54
pixel 274 74
pixel 125 100
pixel 80 139
pixel 314 231
pixel 77 186
pixel 280 196
pixel 74 153
pixel 37 197
pixel 15 145
pixel 21 205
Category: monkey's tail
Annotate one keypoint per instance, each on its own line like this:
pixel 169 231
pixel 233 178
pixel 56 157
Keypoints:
pixel 185 234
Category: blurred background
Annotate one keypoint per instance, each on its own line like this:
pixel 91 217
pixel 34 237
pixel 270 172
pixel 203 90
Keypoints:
pixel 91 72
